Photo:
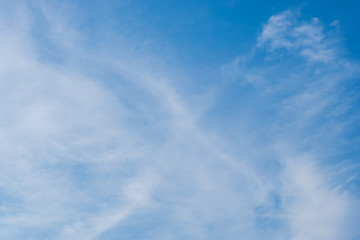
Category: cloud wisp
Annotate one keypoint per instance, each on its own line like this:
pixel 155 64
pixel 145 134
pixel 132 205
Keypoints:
pixel 95 142
pixel 79 158
pixel 311 106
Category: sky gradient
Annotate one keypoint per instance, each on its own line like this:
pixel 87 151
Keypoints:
pixel 167 120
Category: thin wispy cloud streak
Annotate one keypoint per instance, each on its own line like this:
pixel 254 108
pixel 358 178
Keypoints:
pixel 106 142
pixel 314 114
pixel 310 101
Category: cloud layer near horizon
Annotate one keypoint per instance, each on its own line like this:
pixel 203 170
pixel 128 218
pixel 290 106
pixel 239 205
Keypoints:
pixel 97 144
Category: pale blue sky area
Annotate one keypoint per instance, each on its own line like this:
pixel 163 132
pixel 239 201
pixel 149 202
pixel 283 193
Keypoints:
pixel 169 120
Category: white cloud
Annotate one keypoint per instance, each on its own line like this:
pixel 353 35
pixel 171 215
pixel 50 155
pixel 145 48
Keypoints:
pixel 276 29
pixel 307 103
pixel 304 38
pixel 315 210
pixel 60 130
pixel 76 158
pixel 83 151
pixel 335 23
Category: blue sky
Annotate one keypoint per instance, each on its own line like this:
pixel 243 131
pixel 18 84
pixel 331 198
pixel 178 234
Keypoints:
pixel 175 120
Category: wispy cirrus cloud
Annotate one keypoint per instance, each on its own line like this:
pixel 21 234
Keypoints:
pixel 310 104
pixel 81 154
pixel 61 134
pixel 311 120
pixel 98 141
